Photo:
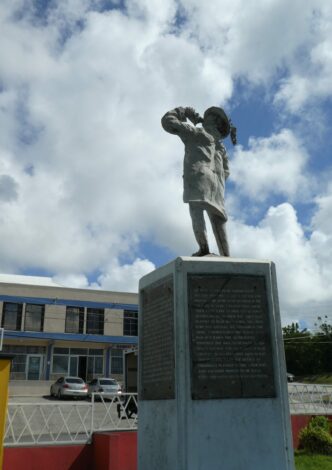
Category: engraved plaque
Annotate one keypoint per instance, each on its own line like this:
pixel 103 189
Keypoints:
pixel 157 342
pixel 231 351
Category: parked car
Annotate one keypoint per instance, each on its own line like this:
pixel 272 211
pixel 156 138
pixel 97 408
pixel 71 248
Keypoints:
pixel 290 377
pixel 105 386
pixel 69 387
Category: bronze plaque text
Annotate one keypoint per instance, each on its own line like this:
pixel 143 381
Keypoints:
pixel 157 342
pixel 231 352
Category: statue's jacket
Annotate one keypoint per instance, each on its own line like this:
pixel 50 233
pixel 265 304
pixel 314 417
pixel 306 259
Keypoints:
pixel 205 166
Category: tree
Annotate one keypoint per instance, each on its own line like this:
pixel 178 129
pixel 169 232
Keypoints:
pixel 307 352
pixel 324 338
pixel 298 350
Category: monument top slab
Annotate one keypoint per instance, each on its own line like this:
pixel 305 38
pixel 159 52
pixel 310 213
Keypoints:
pixel 221 259
pixel 207 263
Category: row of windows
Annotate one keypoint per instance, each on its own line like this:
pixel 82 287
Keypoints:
pixel 29 362
pixel 75 320
pixel 12 315
pixel 93 364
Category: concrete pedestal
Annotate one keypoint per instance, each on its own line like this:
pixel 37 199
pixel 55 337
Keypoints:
pixel 212 378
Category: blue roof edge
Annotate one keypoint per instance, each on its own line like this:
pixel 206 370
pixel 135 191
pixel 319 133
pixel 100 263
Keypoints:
pixel 71 337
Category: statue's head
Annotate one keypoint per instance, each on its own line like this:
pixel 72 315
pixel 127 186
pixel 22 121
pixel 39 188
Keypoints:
pixel 217 118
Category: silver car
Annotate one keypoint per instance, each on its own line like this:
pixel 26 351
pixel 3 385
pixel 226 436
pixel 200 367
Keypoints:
pixel 106 387
pixel 69 387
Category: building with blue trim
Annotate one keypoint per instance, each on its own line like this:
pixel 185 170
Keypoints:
pixel 54 330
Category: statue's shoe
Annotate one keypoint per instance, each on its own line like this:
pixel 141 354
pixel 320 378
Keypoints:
pixel 201 253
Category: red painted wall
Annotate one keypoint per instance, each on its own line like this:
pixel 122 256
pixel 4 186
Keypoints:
pixel 70 457
pixel 299 422
pixel 108 451
pixel 115 451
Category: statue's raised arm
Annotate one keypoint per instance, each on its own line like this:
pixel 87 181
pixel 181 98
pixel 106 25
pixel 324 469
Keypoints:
pixel 205 169
pixel 174 121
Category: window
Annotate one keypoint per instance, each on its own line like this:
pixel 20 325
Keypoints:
pixel 98 369
pixel 95 321
pixel 74 320
pixel 13 349
pixel 79 351
pixel 24 360
pixel 18 364
pixel 74 381
pixel 11 316
pixel 61 350
pixel 34 317
pixel 130 319
pixel 95 366
pixel 117 361
pixel 107 382
pixel 73 365
pixel 60 365
pixel 96 352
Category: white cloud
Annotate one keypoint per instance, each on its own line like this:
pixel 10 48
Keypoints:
pixel 254 45
pixel 272 165
pixel 309 75
pixel 81 97
pixel 302 276
pixel 8 188
pixel 124 277
pixel 76 281
pixel 103 169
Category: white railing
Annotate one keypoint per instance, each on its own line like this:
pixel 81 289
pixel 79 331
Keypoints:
pixel 310 399
pixel 56 422
pixel 67 423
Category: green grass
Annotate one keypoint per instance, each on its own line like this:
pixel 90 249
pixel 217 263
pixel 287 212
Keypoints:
pixel 312 462
pixel 315 379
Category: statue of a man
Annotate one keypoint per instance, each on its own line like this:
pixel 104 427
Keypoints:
pixel 205 169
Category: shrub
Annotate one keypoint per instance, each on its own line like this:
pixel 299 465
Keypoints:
pixel 320 422
pixel 316 438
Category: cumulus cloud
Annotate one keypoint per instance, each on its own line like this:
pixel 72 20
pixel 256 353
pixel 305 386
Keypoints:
pixel 271 165
pixel 308 78
pixel 115 276
pixel 119 277
pixel 279 236
pixel 76 281
pixel 87 171
pixel 8 188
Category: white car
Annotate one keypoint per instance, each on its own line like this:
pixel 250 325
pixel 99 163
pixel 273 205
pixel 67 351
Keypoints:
pixel 69 387
pixel 107 387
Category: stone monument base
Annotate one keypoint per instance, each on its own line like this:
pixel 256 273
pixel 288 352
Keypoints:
pixel 212 377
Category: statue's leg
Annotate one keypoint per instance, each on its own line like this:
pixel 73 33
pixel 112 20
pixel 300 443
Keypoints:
pixel 219 230
pixel 198 222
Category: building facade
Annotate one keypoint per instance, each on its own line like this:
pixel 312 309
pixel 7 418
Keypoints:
pixel 54 331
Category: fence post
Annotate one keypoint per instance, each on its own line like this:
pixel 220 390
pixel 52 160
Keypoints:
pixel 92 414
pixel 5 363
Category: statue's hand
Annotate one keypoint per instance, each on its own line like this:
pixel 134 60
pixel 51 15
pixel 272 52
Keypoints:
pixel 194 117
pixel 181 112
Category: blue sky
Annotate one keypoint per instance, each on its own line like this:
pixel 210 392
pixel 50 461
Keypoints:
pixel 91 185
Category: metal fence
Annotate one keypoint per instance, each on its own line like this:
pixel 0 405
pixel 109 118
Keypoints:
pixel 56 422
pixel 310 399
pixel 71 422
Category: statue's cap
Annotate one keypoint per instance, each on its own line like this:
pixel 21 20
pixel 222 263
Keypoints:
pixel 219 112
